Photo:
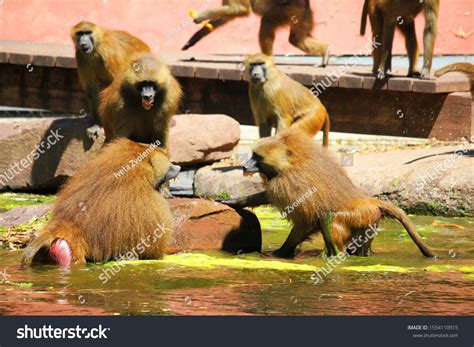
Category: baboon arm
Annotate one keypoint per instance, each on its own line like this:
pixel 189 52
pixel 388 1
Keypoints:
pixel 429 38
pixel 248 201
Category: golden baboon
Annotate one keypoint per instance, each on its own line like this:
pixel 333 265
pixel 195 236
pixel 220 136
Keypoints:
pixel 385 16
pixel 278 101
pixel 109 208
pixel 296 14
pixel 101 56
pixel 140 103
pixel 296 169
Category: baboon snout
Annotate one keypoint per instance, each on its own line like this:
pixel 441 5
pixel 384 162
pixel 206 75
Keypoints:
pixel 251 166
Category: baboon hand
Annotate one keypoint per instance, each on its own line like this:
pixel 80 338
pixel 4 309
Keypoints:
pixel 93 132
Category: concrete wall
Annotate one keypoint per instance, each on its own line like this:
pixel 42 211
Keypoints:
pixel 166 26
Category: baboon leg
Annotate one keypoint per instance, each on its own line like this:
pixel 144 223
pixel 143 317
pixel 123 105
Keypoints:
pixel 266 35
pixel 297 235
pixel 230 11
pixel 335 231
pixel 387 42
pixel 429 36
pixel 300 37
pixel 411 45
pixel 376 21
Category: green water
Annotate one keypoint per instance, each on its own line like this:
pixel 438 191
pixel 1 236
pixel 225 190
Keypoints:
pixel 396 280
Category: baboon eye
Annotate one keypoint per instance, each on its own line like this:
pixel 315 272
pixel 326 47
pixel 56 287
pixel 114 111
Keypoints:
pixel 289 152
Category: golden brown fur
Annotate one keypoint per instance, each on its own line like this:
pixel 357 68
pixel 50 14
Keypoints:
pixel 296 14
pixel 109 58
pixel 385 16
pixel 121 110
pixel 103 213
pixel 282 102
pixel 295 164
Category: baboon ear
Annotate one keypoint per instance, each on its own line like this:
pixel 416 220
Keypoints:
pixel 289 152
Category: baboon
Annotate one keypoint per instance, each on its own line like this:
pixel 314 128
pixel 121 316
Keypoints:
pixel 278 101
pixel 101 56
pixel 296 169
pixel 109 208
pixel 296 14
pixel 385 16
pixel 140 103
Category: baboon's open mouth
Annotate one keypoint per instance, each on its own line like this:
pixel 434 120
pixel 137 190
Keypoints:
pixel 147 104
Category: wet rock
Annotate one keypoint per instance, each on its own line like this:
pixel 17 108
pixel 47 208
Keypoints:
pixel 199 225
pixel 197 139
pixel 225 182
pixel 23 215
pixel 206 225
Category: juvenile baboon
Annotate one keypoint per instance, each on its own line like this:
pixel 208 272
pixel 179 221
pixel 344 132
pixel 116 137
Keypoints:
pixel 101 56
pixel 278 101
pixel 385 16
pixel 293 165
pixel 296 14
pixel 109 208
pixel 140 103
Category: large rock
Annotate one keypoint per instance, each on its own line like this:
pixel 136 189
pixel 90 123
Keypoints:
pixel 225 182
pixel 197 139
pixel 199 225
pixel 40 153
pixel 205 225
pixel 23 215
pixel 437 180
pixel 432 180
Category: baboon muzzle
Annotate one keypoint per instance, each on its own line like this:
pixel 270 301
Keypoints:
pixel 251 166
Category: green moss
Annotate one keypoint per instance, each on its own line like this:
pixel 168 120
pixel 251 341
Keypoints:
pixel 9 201
pixel 223 196
pixel 435 208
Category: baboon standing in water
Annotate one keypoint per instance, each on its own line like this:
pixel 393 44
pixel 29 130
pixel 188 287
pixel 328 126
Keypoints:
pixel 296 14
pixel 109 208
pixel 292 163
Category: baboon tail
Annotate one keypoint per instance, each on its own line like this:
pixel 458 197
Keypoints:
pixel 42 242
pixel 363 21
pixel 203 32
pixel 466 68
pixel 327 126
pixel 394 212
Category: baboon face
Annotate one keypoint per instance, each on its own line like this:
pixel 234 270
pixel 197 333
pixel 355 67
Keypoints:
pixel 147 92
pixel 271 157
pixel 258 67
pixel 85 41
pixel 147 77
pixel 258 73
